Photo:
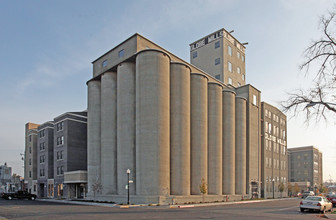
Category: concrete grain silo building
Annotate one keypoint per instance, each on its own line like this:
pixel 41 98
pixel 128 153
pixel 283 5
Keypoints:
pixel 172 125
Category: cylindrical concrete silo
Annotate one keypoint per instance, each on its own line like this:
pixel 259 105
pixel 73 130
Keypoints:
pixel 126 126
pixel 109 133
pixel 215 131
pixel 179 129
pixel 240 145
pixel 152 123
pixel 229 142
pixel 199 131
pixel 94 128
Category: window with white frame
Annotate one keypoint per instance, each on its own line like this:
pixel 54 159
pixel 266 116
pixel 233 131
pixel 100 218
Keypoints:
pixel 230 67
pixel 254 100
pixel 238 70
pixel 230 81
pixel 229 50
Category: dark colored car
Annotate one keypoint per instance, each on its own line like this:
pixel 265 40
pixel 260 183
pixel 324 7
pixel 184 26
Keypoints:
pixel 332 199
pixel 19 195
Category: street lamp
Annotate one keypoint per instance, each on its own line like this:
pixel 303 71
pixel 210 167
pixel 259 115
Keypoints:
pixel 128 171
pixel 273 186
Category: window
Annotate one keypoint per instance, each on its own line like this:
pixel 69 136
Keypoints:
pixel 217 44
pixel 42 159
pixel 238 70
pixel 230 81
pixel 60 189
pixel 59 126
pixel 104 63
pixel 29 174
pixel 266 144
pixel 30 139
pixel 238 55
pixel 254 100
pixel 238 84
pixel 60 170
pixel 42 146
pixel 41 133
pixel 243 77
pixel 194 54
pixel 30 150
pixel 60 140
pixel 121 53
pixel 217 61
pixel 42 172
pixel 243 58
pixel 229 50
pixel 230 67
pixel 59 155
pixel 218 77
pixel 29 161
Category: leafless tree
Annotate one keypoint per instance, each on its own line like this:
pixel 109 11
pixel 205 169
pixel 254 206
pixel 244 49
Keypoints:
pixel 320 99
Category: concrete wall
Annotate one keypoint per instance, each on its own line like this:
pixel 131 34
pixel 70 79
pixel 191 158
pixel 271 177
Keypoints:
pixel 229 142
pixel 240 141
pixel 199 131
pixel 175 127
pixel 179 129
pixel 215 133
pixel 94 132
pixel 109 132
pixel 126 126
pixel 152 123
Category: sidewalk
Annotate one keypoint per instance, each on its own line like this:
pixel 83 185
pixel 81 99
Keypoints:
pixel 162 206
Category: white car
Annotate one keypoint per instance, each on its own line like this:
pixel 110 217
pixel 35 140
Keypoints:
pixel 318 203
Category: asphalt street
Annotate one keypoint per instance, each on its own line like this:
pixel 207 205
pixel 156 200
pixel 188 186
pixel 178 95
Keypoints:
pixel 276 209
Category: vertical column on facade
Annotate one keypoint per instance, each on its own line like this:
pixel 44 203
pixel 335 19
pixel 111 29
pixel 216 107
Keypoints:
pixel 228 142
pixel 109 132
pixel 94 128
pixel 240 154
pixel 199 131
pixel 179 129
pixel 152 123
pixel 126 126
pixel 215 131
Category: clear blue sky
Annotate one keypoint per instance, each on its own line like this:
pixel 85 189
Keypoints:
pixel 46 50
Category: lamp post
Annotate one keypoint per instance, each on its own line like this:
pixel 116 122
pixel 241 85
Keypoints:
pixel 128 190
pixel 273 186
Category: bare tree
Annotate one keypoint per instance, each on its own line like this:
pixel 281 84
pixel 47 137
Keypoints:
pixel 319 100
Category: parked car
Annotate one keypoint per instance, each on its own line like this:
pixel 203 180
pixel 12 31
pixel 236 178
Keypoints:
pixel 19 195
pixel 308 193
pixel 332 198
pixel 317 203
